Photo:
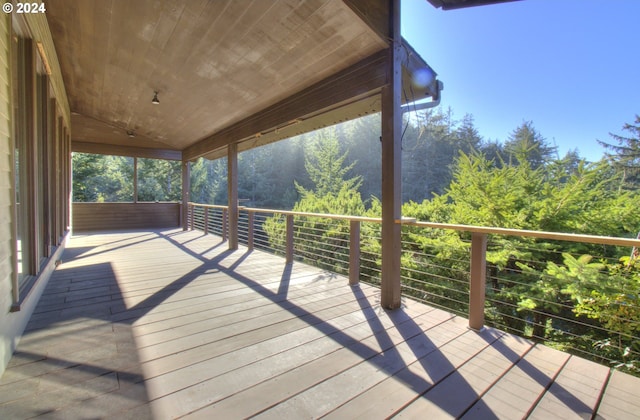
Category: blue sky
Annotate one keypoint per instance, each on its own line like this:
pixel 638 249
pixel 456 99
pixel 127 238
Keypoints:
pixel 569 66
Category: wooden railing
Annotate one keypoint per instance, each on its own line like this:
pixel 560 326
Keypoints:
pixel 200 217
pixel 92 217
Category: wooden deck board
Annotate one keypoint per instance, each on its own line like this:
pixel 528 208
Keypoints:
pixel 621 399
pixel 575 392
pixel 170 324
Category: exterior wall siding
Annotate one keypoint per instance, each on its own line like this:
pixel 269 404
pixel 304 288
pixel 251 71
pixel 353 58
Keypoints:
pixel 15 315
pixel 7 319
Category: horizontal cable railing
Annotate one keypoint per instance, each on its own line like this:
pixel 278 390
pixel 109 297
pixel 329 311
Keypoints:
pixel 572 292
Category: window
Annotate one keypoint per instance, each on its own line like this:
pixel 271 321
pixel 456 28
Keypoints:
pixel 102 178
pixel 159 180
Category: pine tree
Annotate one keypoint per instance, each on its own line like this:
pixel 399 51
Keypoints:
pixel 625 156
pixel 526 143
pixel 325 166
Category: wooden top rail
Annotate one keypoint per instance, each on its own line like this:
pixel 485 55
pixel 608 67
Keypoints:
pixel 322 215
pixel 106 203
pixel 209 206
pixel 570 237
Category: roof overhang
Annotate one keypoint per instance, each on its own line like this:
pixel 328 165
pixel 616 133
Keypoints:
pixel 459 4
pixel 225 72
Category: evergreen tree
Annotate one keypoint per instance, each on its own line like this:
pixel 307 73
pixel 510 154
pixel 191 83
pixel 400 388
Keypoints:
pixel 325 165
pixel 526 144
pixel 319 240
pixel 159 180
pixel 85 168
pixel 625 155
pixel 102 178
pixel 362 139
pixel 467 136
pixel 428 149
pixel 209 181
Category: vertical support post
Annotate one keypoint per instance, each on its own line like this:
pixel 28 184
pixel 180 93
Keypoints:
pixel 186 187
pixel 250 232
pixel 69 181
pixel 135 179
pixel 391 166
pixel 478 280
pixel 289 244
pixel 232 183
pixel 206 220
pixel 354 252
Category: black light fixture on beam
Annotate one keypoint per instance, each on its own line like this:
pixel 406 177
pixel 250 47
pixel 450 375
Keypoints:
pixel 131 134
pixel 155 99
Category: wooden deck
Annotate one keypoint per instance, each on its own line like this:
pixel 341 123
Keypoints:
pixel 167 324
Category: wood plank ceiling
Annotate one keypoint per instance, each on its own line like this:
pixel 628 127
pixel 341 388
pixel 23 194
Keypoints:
pixel 212 63
pixel 224 70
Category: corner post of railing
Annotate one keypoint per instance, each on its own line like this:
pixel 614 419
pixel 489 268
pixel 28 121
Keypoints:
pixel 250 230
pixel 478 280
pixel 289 244
pixel 224 224
pixel 206 220
pixel 354 252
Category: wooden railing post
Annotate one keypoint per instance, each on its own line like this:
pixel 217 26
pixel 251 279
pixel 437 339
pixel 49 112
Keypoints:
pixel 250 230
pixel 354 252
pixel 206 220
pixel 224 224
pixel 478 280
pixel 232 194
pixel 186 188
pixel 289 244
pixel 193 216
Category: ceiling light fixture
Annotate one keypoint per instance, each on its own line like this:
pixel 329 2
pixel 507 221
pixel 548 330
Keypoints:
pixel 131 134
pixel 155 100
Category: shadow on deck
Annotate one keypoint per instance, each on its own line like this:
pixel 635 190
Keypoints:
pixel 167 324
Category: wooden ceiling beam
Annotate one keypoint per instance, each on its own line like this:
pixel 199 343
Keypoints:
pixel 130 151
pixel 366 76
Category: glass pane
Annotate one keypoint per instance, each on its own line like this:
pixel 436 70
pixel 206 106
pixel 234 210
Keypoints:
pixel 102 178
pixel 159 180
pixel 20 155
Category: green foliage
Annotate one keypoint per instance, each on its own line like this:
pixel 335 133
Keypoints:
pixel 534 283
pixel 429 150
pixel 625 154
pixel 607 292
pixel 325 166
pixel 451 175
pixel 209 181
pixel 159 180
pixel 102 178
pixel 318 239
pixel 267 174
pixel 526 144
pixel 484 194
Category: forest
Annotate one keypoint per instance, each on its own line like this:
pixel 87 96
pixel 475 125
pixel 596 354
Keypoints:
pixel 450 174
